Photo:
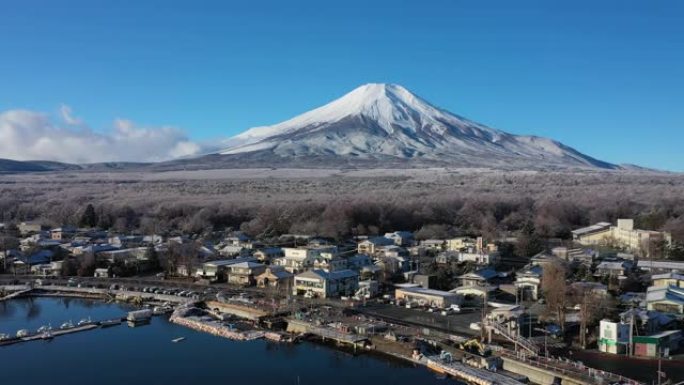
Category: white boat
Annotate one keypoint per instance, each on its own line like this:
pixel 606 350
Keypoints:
pixel 4 336
pixel 179 339
pixel 84 322
pixel 43 329
pixel 47 335
pixel 159 310
pixel 67 325
pixel 22 333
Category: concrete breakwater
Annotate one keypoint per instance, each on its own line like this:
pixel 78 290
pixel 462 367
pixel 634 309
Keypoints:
pixel 216 328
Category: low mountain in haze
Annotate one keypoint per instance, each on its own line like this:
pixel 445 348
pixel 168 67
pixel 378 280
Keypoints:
pixel 9 166
pixel 16 166
pixel 386 125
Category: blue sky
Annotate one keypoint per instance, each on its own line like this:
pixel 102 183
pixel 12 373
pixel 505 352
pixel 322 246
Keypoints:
pixel 606 77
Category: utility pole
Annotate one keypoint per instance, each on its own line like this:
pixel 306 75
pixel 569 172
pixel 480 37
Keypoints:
pixel 631 327
pixel 583 321
pixel 484 314
pixel 660 355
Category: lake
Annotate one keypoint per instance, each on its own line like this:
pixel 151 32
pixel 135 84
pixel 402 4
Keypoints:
pixel 145 355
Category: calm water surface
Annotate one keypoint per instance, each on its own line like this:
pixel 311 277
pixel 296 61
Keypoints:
pixel 145 355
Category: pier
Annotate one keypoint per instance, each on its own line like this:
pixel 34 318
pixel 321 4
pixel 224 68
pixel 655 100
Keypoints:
pixel 326 333
pixel 464 372
pixel 15 291
pixel 50 334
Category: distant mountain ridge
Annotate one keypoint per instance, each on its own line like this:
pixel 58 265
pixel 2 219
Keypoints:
pixel 376 125
pixel 387 123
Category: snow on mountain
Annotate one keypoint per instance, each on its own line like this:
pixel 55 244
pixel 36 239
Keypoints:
pixel 386 121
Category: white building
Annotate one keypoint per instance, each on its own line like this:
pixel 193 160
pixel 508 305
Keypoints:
pixel 322 284
pixel 298 259
pixel 613 337
pixel 624 235
pixel 528 282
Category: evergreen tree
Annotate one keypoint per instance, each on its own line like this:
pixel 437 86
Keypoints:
pixel 529 242
pixel 89 217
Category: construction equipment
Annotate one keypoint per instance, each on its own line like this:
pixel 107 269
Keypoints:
pixel 474 346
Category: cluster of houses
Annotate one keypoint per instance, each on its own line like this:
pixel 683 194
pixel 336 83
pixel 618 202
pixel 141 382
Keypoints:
pixel 312 267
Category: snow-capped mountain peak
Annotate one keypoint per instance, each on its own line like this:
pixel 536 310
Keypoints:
pixel 387 121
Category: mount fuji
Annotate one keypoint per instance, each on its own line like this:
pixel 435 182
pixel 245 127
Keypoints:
pixel 387 125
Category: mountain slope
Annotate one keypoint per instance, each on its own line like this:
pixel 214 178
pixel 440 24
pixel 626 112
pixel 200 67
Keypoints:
pixel 17 166
pixel 387 123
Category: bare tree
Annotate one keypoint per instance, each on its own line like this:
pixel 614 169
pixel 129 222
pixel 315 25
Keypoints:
pixel 554 287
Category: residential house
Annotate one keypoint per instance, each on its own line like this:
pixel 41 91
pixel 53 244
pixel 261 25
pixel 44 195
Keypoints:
pixel 329 262
pixel 26 228
pixel 614 268
pixel 126 241
pixel 528 282
pixel 648 322
pixel 299 259
pixel 459 244
pixel 479 258
pixel 367 289
pixel 433 244
pixel 578 254
pixel 425 281
pixel 125 256
pixel 237 238
pixel 245 273
pixel 543 259
pixel 322 284
pixel 359 261
pixel 482 277
pixel 393 265
pixel 658 267
pixel 275 277
pixel 667 299
pixel 401 238
pixel 217 270
pixel 668 279
pixel 62 233
pixel 370 246
pixel 267 254
pixel 447 257
pixel 233 250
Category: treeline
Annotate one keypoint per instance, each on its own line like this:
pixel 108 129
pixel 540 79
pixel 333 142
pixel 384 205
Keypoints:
pixel 434 206
pixel 344 217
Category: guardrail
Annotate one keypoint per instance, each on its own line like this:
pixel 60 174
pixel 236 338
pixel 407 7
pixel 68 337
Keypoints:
pixel 573 370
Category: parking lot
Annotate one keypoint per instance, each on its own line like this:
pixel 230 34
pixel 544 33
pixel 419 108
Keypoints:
pixel 458 323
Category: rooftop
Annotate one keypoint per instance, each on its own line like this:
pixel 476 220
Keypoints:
pixel 420 290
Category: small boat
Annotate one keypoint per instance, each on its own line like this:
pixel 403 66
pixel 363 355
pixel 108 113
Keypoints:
pixel 179 339
pixel 67 325
pixel 84 322
pixel 47 335
pixel 44 329
pixel 22 333
pixel 111 322
pixel 159 310
pixel 4 336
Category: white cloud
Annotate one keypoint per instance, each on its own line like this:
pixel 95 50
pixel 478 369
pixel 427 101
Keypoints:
pixel 30 135
pixel 68 116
